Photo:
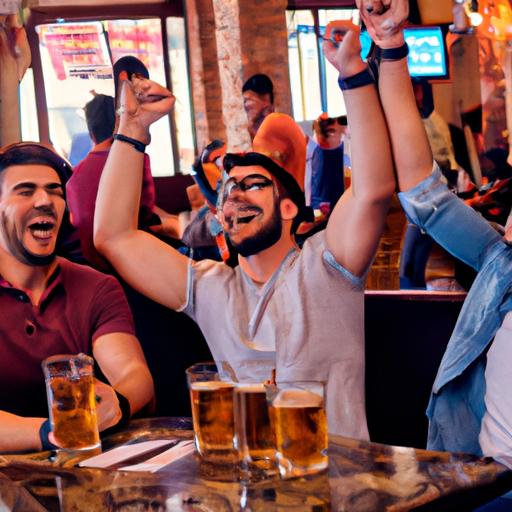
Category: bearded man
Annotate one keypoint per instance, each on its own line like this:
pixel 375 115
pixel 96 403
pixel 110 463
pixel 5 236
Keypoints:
pixel 298 310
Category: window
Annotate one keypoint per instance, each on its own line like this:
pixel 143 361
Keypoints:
pixel 76 58
pixel 313 81
pixel 180 85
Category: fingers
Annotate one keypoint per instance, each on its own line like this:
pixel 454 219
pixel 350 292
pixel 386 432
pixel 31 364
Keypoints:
pixel 351 40
pixel 385 21
pixel 329 49
pixel 373 6
pixel 346 58
pixel 128 103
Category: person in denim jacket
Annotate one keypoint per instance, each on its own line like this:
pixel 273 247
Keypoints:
pixel 470 409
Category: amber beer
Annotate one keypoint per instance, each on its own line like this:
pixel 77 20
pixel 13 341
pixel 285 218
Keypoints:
pixel 254 434
pixel 73 412
pixel 71 401
pixel 301 432
pixel 212 416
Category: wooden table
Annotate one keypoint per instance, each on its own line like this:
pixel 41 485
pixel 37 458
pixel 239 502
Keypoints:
pixel 362 476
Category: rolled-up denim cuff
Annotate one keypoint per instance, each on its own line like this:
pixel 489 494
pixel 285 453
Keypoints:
pixel 422 200
pixel 426 188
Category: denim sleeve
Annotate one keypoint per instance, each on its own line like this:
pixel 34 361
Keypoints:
pixel 455 226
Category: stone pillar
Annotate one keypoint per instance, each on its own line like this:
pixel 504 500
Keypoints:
pixel 204 72
pixel 13 63
pixel 229 41
pixel 229 52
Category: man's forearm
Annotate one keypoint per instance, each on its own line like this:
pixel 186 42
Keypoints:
pixel 136 386
pixel 18 433
pixel 118 199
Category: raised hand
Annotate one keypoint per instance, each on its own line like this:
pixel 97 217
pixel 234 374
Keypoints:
pixel 142 102
pixel 346 56
pixel 384 20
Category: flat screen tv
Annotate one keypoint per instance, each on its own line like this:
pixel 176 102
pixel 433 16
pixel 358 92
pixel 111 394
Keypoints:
pixel 427 52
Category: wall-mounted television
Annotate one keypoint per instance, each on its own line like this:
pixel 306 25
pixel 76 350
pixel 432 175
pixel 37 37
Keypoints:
pixel 427 58
pixel 427 52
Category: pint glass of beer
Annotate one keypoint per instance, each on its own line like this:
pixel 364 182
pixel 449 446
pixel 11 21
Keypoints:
pixel 254 434
pixel 298 414
pixel 71 402
pixel 211 388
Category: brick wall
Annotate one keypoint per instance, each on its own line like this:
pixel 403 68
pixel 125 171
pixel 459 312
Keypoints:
pixel 229 41
pixel 265 45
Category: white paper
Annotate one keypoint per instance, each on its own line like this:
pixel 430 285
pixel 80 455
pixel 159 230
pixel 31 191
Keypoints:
pixel 121 453
pixel 163 459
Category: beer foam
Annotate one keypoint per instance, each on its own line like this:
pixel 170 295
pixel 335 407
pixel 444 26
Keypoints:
pixel 297 398
pixel 211 385
pixel 251 388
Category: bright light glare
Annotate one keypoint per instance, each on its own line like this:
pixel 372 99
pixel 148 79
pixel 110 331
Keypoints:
pixel 475 18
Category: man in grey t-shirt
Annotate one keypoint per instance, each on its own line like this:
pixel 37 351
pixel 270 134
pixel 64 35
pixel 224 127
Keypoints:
pixel 301 310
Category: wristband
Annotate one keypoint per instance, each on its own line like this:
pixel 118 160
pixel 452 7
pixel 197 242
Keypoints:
pixel 124 405
pixel 137 144
pixel 358 80
pixel 390 54
pixel 44 430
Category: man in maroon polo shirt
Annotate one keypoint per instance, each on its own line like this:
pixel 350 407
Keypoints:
pixel 51 306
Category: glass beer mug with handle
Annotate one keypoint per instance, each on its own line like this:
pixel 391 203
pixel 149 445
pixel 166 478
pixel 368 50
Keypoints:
pixel 211 388
pixel 297 410
pixel 71 401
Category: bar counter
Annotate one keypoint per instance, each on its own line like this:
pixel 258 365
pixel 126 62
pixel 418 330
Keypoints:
pixel 362 476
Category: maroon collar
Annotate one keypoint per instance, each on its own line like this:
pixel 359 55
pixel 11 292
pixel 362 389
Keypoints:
pixel 53 282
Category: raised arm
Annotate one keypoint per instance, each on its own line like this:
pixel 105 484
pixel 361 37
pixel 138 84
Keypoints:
pixel 411 149
pixel 425 198
pixel 357 221
pixel 146 263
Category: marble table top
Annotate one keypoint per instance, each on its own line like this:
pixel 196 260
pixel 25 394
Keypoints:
pixel 362 477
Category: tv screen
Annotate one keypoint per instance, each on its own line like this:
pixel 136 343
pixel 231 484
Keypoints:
pixel 427 51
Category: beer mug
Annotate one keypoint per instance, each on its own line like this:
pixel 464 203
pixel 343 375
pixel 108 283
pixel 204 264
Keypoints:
pixel 71 401
pixel 211 388
pixel 254 434
pixel 298 414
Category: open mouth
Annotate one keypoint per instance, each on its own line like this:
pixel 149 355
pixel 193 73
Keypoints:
pixel 243 216
pixel 42 230
pixel 245 219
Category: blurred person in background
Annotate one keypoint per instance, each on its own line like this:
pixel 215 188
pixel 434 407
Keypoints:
pixel 258 96
pixel 82 188
pixel 325 161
